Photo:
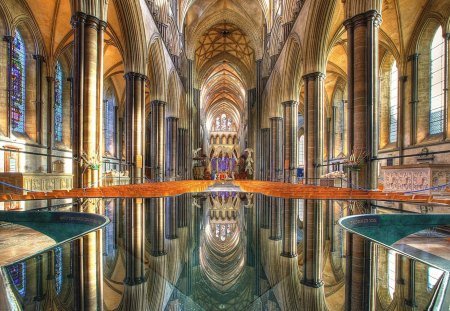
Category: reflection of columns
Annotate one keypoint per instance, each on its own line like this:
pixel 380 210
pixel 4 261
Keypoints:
pixel 182 211
pixel 264 205
pixel 135 126
pixel 134 242
pixel 362 29
pixel 157 227
pixel 88 59
pixel 171 217
pixel 275 219
pixel 157 139
pixel 276 150
pixel 265 154
pixel 171 148
pixel 290 109
pixel 313 243
pixel 289 228
pixel 314 125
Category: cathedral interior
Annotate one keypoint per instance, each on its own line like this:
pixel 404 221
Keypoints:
pixel 224 155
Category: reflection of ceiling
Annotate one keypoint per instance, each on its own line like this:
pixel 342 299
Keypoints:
pixel 221 39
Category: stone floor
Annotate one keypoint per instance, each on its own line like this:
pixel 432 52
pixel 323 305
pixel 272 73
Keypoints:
pixel 18 242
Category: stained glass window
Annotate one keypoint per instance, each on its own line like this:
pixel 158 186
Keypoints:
pixel 58 268
pixel 437 83
pixel 393 92
pixel 58 103
pixel 110 125
pixel 391 272
pixel 17 273
pixel 18 72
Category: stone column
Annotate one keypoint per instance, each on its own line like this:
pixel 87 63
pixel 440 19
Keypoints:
pixel 157 220
pixel 171 217
pixel 50 121
pixel 39 111
pixel 172 148
pixel 134 242
pixel 446 86
pixel 414 59
pixel 362 29
pixel 275 219
pixel 290 216
pixel 135 126
pixel 314 126
pixel 313 245
pixel 88 60
pixel 290 110
pixel 158 140
pixel 276 150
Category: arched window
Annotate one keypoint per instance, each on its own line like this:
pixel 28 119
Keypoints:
pixel 301 151
pixel 391 272
pixel 110 126
pixel 18 73
pixel 437 83
pixel 393 103
pixel 58 103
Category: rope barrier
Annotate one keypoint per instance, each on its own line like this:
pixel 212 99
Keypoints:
pixel 431 188
pixel 15 187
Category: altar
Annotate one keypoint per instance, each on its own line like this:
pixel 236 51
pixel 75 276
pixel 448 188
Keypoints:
pixel 404 178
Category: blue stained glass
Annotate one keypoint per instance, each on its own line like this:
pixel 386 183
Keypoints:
pixel 58 269
pixel 109 126
pixel 18 84
pixel 17 273
pixel 58 103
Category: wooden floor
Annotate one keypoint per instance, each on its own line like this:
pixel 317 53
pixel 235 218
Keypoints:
pixel 276 189
pixel 18 242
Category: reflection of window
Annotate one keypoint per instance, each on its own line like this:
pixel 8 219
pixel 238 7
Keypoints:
pixel 17 273
pixel 391 272
pixel 58 268
pixel 58 102
pixel 393 88
pixel 18 84
pixel 301 151
pixel 433 277
pixel 437 83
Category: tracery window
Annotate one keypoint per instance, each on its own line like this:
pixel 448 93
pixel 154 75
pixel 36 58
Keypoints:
pixel 393 103
pixel 18 73
pixel 223 123
pixel 437 83
pixel 58 103
pixel 301 151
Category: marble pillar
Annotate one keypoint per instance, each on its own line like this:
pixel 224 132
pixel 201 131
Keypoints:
pixel 158 140
pixel 172 151
pixel 290 118
pixel 276 150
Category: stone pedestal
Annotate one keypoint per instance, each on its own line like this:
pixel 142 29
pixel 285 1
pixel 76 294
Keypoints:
pixel 404 178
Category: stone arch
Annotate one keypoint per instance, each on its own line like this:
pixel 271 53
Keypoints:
pixel 292 70
pixel 173 95
pixel 157 73
pixel 276 109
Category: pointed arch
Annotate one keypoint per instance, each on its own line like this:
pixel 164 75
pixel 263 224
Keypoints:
pixel 157 72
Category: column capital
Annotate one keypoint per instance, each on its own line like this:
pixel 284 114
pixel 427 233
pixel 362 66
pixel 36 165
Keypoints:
pixel 8 39
pixel 266 129
pixel 276 118
pixel 77 19
pixel 39 58
pixel 50 79
pixel 447 36
pixel 403 78
pixel 158 103
pixel 310 283
pixel 172 118
pixel 135 76
pixel 414 57
pixel 363 18
pixel 314 76
pixel 290 103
